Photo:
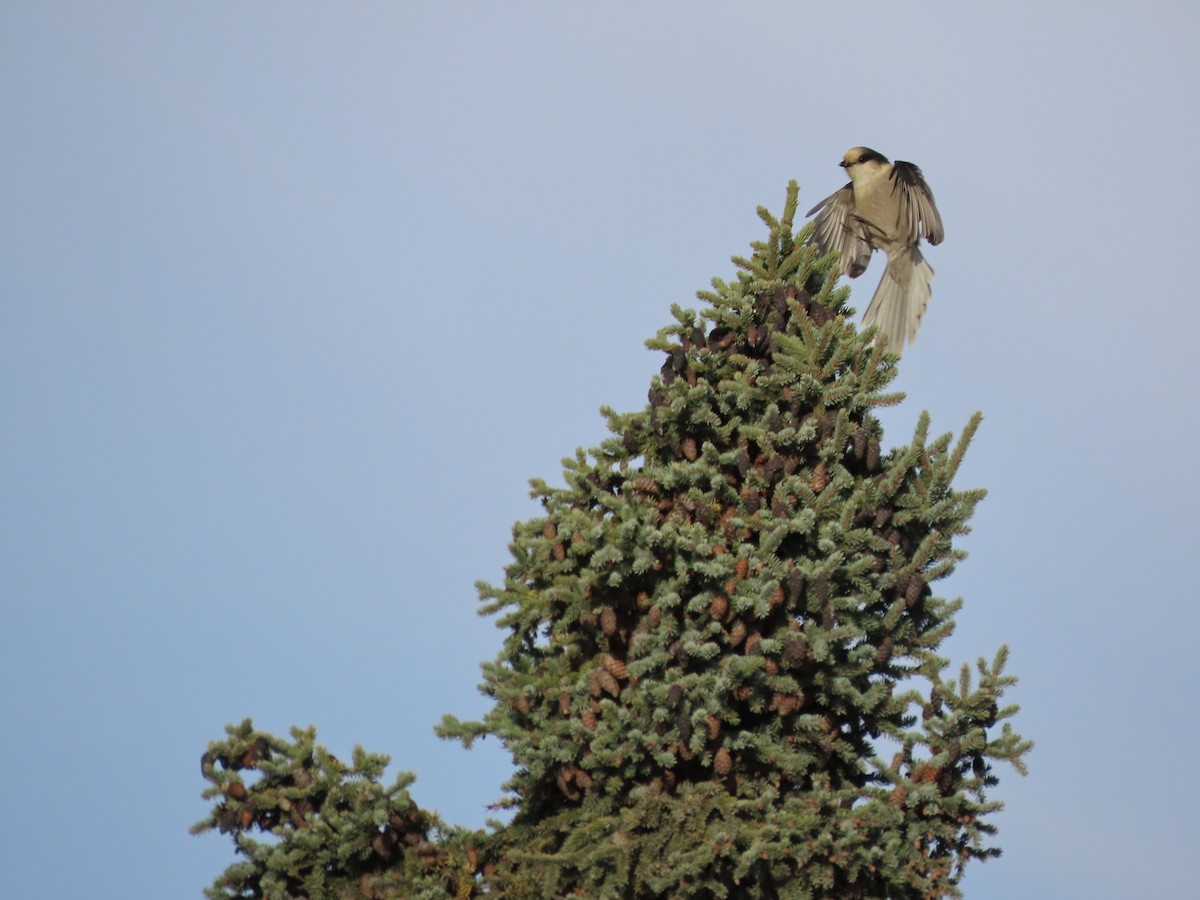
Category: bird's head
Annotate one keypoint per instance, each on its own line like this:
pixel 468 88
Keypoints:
pixel 863 161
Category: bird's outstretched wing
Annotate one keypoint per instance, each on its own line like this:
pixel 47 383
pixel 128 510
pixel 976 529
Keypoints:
pixel 918 213
pixel 838 229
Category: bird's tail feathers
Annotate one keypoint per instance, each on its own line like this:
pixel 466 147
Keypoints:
pixel 900 300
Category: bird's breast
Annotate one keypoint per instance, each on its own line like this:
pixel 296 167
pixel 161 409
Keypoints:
pixel 876 206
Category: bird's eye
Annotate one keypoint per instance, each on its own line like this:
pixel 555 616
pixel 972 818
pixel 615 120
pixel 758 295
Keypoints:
pixel 863 158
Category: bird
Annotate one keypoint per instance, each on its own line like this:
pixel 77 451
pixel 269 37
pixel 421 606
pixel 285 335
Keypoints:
pixel 886 206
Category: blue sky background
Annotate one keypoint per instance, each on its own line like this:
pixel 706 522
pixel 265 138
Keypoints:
pixel 295 297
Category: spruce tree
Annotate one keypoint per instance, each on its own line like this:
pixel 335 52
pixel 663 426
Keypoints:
pixel 720 673
pixel 715 630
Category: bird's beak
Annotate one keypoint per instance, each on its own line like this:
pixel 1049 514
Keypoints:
pixel 844 164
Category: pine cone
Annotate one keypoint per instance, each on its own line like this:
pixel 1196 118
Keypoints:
pixel 828 424
pixel 685 727
pixel 884 652
pixel 722 337
pixel 772 468
pixel 820 478
pixel 820 313
pixel 608 621
pixel 714 726
pixel 821 588
pixel 872 454
pixel 608 683
pixel 678 360
pixel 690 450
pixel 925 774
pixel 737 634
pixel 795 581
pixel 719 608
pixel 227 820
pixel 616 667
pixel 722 762
pixel 945 780
pixel 549 530
pixel 776 598
pixel 795 650
pixel 753 644
pixel 914 589
pixel 786 704
pixel 564 785
pixel 860 444
pixel 260 749
pixel 646 485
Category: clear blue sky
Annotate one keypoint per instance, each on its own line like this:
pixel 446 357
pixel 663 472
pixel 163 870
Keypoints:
pixel 295 297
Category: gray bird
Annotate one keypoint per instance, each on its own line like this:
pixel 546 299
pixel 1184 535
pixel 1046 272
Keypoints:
pixel 889 207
